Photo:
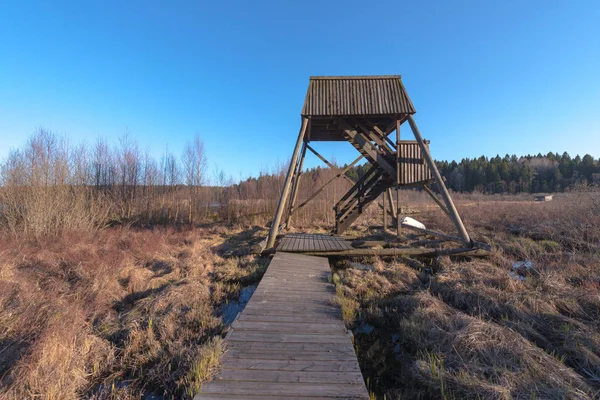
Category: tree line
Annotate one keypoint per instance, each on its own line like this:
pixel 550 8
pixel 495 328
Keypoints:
pixel 552 172
pixel 50 184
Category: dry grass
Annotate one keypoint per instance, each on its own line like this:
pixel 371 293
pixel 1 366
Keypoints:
pixel 463 328
pixel 125 313
pixel 116 314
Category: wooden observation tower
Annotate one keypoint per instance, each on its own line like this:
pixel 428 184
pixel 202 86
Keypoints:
pixel 365 111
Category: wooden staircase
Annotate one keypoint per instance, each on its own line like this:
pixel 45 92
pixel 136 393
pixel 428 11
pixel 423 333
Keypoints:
pixel 380 177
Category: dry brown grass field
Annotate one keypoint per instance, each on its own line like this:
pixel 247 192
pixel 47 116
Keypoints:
pixel 117 314
pixel 130 313
pixel 454 328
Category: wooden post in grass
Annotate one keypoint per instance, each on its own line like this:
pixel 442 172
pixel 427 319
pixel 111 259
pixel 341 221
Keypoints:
pixel 385 194
pixel 286 187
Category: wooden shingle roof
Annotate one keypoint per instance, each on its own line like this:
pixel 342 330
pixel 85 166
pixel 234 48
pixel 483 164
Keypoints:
pixel 356 96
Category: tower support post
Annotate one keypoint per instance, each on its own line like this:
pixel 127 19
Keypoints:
pixel 286 187
pixel 453 213
pixel 296 183
pixel 398 166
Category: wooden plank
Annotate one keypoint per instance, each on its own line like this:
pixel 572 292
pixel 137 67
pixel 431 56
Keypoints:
pixel 405 251
pixel 331 242
pixel 275 287
pixel 276 295
pixel 306 300
pixel 293 365
pixel 343 245
pixel 266 317
pixel 216 396
pixel 234 355
pixel 299 291
pixel 299 242
pixel 334 390
pixel 287 313
pixel 285 376
pixel 289 309
pixel 270 317
pixel 310 347
pixel 286 337
pixel 288 327
pixel 290 341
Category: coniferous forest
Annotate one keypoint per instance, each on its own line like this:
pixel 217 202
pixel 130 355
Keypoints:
pixel 512 174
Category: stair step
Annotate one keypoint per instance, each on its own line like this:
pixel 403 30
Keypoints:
pixel 365 191
pixel 365 194
pixel 355 204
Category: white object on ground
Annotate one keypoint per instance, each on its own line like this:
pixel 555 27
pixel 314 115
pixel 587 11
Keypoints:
pixel 521 269
pixel 412 222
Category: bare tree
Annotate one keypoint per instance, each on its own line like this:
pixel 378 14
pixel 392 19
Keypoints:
pixel 194 165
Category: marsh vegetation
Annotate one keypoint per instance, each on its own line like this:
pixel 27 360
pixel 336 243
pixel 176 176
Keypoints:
pixel 118 275
pixel 455 328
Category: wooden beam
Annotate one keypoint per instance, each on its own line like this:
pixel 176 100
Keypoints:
pixel 390 141
pixel 340 173
pixel 297 176
pixel 398 225
pixel 403 251
pixel 356 187
pixel 286 187
pixel 446 237
pixel 376 138
pixel 389 212
pixel 427 242
pixel 454 216
pixel 369 183
pixel 434 197
pixel 385 194
pixel 391 203
pixel 384 135
pixel 379 131
pixel 370 149
pixel 333 167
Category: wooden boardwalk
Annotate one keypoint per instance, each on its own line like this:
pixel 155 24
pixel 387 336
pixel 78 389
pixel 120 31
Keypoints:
pixel 300 242
pixel 290 341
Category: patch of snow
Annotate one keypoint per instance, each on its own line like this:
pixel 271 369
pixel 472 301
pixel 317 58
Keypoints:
pixel 522 269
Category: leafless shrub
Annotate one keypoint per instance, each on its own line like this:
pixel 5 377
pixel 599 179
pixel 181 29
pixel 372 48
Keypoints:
pixel 44 189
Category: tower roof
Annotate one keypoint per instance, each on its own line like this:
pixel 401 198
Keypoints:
pixel 329 96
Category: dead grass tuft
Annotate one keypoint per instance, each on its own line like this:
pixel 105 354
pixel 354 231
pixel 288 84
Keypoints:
pixel 119 314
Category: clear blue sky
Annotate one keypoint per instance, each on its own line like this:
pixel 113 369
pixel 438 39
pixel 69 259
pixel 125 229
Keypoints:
pixel 486 77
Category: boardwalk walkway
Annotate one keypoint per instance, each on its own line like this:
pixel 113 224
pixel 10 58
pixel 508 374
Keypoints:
pixel 299 242
pixel 290 341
